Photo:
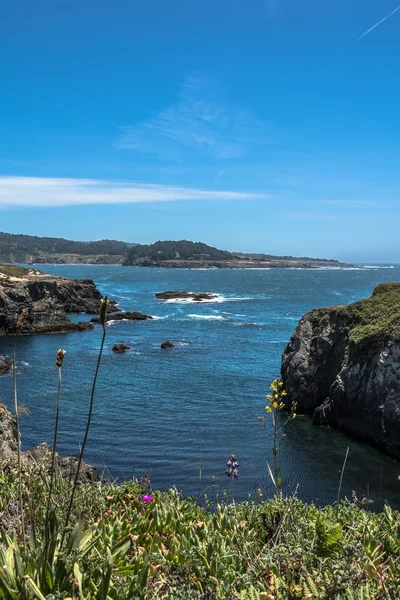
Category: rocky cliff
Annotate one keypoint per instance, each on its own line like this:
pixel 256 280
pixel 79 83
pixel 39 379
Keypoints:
pixel 65 465
pixel 48 300
pixel 342 365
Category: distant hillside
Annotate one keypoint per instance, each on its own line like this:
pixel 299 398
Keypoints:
pixel 28 249
pixel 32 249
pixel 188 254
pixel 147 254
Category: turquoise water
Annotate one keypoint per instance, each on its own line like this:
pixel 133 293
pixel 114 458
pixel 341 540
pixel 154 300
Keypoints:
pixel 164 412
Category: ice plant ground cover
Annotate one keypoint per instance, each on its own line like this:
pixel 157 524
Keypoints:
pixel 124 543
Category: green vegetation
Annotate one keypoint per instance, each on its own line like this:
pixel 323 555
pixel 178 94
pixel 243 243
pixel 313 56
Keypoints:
pixel 14 271
pixel 182 250
pixel 368 323
pixel 126 543
pixel 22 248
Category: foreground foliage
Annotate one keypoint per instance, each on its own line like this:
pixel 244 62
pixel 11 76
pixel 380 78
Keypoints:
pixel 125 543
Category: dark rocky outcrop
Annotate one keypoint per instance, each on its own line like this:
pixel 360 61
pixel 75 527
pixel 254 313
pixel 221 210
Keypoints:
pixel 65 465
pixel 5 365
pixel 41 454
pixel 120 348
pixel 124 316
pixel 193 296
pixel 167 344
pixel 48 300
pixel 342 365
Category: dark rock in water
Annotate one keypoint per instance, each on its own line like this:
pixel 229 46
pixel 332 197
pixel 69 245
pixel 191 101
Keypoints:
pixel 342 365
pixel 121 347
pixel 124 316
pixel 193 296
pixel 167 344
pixel 48 300
pixel 39 454
pixel 5 365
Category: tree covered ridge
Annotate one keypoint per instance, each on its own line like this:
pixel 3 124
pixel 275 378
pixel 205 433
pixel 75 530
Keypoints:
pixel 20 248
pixel 19 245
pixel 180 250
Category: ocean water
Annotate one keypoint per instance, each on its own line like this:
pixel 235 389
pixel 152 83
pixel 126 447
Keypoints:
pixel 174 413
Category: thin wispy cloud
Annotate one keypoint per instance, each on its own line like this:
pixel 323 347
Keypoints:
pixel 376 24
pixel 53 192
pixel 204 120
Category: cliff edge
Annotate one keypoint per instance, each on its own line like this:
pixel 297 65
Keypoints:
pixel 342 365
pixel 48 300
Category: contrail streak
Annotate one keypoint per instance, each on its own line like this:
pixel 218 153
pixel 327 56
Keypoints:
pixel 376 24
pixel 219 174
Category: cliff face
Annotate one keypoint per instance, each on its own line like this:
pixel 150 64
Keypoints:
pixel 48 300
pixel 342 365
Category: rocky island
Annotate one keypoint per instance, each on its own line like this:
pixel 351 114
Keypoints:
pixel 342 365
pixel 190 296
pixel 48 300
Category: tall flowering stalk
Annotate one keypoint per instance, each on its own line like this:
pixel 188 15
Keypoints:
pixel 276 405
pixel 102 321
pixel 59 363
pixel 19 326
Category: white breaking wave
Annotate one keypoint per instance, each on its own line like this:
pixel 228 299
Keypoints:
pixel 218 298
pixel 378 266
pixel 211 317
pixel 155 318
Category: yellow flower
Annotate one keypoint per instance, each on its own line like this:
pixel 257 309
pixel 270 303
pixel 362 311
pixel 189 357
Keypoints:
pixel 294 415
pixel 281 383
pixel 268 409
pixel 284 393
pixel 275 404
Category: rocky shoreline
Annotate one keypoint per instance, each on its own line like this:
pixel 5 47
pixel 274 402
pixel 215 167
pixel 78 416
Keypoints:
pixel 47 300
pixel 342 366
pixel 41 454
pixel 235 264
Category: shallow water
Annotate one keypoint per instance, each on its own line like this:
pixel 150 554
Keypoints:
pixel 165 412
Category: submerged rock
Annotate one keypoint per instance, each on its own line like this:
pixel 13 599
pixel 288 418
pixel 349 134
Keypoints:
pixel 5 365
pixel 121 347
pixel 342 365
pixel 167 344
pixel 193 296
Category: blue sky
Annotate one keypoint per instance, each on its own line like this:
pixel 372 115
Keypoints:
pixel 252 125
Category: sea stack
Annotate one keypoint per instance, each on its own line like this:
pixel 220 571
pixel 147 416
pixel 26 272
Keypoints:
pixel 342 365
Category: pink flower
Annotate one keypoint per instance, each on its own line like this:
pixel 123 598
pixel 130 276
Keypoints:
pixel 147 498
